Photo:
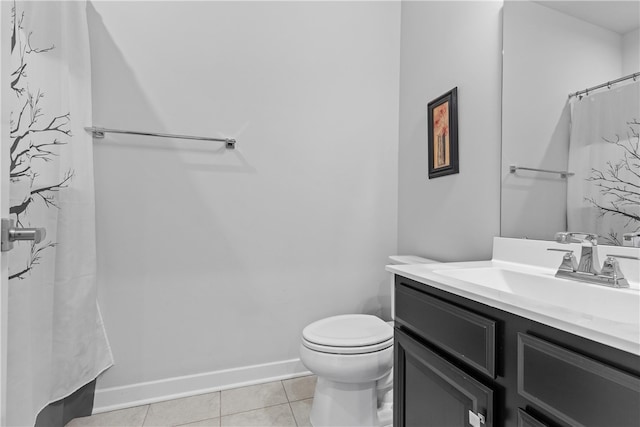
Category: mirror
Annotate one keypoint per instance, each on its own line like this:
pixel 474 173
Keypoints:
pixel 551 49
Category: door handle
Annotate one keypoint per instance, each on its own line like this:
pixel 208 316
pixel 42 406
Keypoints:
pixel 10 234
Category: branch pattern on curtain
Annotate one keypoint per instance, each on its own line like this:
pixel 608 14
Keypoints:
pixel 604 151
pixel 56 339
pixel 35 134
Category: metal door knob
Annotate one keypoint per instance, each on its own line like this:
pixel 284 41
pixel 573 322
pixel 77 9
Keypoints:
pixel 10 234
pixel 35 234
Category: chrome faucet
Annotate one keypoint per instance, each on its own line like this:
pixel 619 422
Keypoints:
pixel 589 262
pixel 588 269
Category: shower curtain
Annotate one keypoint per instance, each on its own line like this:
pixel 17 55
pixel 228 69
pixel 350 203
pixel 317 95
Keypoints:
pixel 604 152
pixel 56 340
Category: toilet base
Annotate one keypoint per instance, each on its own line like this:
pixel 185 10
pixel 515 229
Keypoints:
pixel 344 404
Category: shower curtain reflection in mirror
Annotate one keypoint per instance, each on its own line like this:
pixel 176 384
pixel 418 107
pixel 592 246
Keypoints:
pixel 604 152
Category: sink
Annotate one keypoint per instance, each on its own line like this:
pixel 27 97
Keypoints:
pixel 618 305
pixel 520 279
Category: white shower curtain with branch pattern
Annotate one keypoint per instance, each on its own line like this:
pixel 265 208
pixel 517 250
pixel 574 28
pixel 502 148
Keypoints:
pixel 56 340
pixel 604 152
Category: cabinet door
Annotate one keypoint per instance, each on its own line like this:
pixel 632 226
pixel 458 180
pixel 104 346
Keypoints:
pixel 528 420
pixel 574 388
pixel 430 391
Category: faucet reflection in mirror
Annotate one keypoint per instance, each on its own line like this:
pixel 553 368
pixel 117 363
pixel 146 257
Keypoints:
pixel 604 152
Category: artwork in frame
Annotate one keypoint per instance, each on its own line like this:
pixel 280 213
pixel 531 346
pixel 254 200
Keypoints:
pixel 442 131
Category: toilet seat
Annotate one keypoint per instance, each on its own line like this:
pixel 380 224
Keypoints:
pixel 348 334
pixel 348 350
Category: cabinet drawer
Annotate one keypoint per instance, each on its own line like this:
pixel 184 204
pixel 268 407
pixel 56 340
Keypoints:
pixel 574 388
pixel 466 335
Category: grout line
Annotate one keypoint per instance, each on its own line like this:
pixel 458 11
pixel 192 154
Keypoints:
pixel 220 412
pixel 295 420
pixel 300 400
pixel 285 391
pixel 293 414
pixel 146 414
pixel 187 422
pixel 197 421
pixel 256 409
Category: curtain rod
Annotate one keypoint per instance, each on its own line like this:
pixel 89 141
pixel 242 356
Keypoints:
pixel 99 132
pixel 633 76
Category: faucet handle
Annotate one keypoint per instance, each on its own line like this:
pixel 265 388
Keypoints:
pixel 611 270
pixel 569 261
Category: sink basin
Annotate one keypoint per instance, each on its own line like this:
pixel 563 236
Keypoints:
pixel 618 305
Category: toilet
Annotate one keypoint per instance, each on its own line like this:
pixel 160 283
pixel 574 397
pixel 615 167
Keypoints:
pixel 352 356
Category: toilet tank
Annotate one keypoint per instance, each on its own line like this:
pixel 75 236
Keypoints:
pixel 403 260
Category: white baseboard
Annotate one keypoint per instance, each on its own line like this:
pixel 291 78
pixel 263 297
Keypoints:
pixel 109 399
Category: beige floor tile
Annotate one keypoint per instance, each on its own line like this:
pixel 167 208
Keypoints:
pixel 183 411
pixel 252 397
pixel 300 388
pixel 273 416
pixel 211 422
pixel 301 410
pixel 130 417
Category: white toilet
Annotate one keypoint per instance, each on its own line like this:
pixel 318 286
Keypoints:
pixel 352 356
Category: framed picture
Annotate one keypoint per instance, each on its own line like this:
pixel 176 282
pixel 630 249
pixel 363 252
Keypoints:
pixel 442 131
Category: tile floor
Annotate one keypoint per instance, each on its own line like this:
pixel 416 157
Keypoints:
pixel 275 404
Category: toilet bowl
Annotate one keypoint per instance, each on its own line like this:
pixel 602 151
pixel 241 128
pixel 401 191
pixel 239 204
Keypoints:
pixel 352 356
pixel 349 354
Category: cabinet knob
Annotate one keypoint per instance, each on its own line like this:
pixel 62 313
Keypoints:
pixel 476 420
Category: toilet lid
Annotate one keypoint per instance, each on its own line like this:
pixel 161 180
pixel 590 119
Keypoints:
pixel 349 330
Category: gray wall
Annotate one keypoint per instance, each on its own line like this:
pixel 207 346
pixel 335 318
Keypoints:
pixel 443 45
pixel 211 259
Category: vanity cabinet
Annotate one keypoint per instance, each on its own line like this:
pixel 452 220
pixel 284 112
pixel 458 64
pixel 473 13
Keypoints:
pixel 462 363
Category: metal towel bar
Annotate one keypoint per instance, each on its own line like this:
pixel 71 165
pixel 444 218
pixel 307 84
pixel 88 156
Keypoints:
pixel 99 132
pixel 563 174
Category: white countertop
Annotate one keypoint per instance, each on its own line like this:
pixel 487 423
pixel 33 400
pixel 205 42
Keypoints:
pixel 618 334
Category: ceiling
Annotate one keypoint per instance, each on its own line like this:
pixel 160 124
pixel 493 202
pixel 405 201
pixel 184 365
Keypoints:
pixel 618 16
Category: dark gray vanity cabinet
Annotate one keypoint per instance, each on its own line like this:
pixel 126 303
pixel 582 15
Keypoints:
pixel 462 363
